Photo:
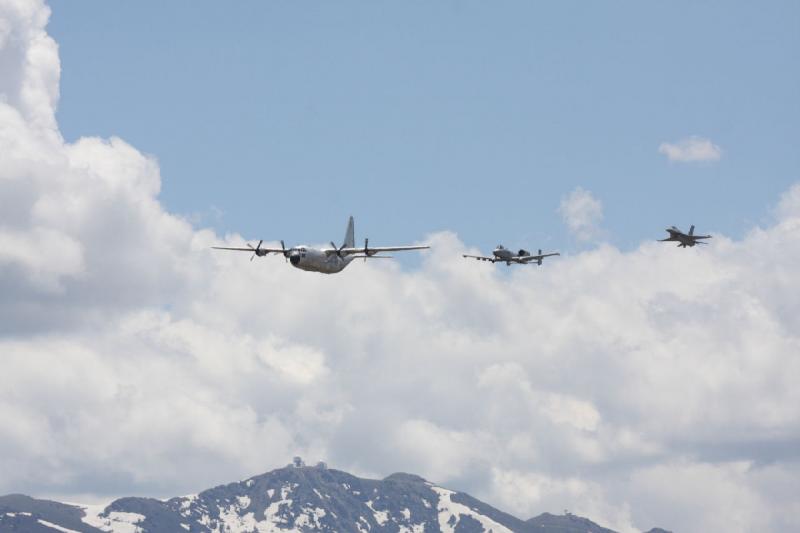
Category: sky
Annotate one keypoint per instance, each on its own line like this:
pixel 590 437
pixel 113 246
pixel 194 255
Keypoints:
pixel 278 120
pixel 629 381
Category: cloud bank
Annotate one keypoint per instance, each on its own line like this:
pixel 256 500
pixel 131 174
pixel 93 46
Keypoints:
pixel 691 149
pixel 650 387
pixel 582 213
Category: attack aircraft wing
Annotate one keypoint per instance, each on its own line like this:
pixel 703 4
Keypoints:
pixel 480 257
pixel 538 258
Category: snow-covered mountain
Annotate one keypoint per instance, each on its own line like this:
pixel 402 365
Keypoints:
pixel 295 498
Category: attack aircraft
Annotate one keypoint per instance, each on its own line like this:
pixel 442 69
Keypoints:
pixel 325 260
pixel 504 255
pixel 684 239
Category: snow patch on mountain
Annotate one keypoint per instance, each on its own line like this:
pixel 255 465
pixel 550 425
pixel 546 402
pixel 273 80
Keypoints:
pixel 233 520
pixel 56 527
pixel 415 528
pixel 244 501
pixel 116 521
pixel 450 514
pixel 273 513
pixel 381 517
pixel 187 501
pixel 310 518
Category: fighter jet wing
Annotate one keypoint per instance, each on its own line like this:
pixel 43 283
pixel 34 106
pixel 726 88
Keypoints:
pixel 480 257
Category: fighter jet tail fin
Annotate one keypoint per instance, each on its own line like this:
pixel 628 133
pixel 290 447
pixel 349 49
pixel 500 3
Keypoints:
pixel 691 230
pixel 349 236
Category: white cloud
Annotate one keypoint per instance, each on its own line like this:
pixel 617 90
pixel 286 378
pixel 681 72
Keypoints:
pixel 685 488
pixel 135 360
pixel 691 149
pixel 789 205
pixel 582 213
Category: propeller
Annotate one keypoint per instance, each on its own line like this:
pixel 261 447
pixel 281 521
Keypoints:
pixel 338 250
pixel 256 250
pixel 366 249
pixel 540 257
pixel 285 253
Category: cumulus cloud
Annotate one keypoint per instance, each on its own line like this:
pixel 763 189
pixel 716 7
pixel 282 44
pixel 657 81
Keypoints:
pixel 691 149
pixel 650 387
pixel 582 213
pixel 789 205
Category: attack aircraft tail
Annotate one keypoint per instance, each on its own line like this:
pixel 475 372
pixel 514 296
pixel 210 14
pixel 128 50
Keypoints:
pixel 349 236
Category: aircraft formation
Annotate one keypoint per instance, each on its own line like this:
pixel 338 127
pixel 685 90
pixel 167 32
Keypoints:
pixel 337 258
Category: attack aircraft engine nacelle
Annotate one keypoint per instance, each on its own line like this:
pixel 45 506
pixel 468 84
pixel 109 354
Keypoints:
pixel 523 253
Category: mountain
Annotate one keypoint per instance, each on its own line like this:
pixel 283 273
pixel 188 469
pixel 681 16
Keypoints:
pixel 295 498
pixel 567 523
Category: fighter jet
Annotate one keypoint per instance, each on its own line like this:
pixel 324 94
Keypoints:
pixel 325 260
pixel 502 254
pixel 684 239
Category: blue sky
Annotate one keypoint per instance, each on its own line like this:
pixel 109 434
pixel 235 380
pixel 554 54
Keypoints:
pixel 470 116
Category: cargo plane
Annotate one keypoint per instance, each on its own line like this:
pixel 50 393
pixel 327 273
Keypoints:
pixel 325 260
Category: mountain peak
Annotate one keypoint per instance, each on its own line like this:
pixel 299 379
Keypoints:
pixel 566 523
pixel 402 477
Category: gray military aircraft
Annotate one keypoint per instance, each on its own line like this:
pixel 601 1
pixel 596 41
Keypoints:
pixel 684 239
pixel 504 255
pixel 325 260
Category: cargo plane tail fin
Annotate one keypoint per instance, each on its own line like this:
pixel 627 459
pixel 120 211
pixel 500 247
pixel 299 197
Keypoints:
pixel 349 236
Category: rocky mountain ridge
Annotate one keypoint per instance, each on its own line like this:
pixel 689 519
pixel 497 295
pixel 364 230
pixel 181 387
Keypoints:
pixel 295 498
